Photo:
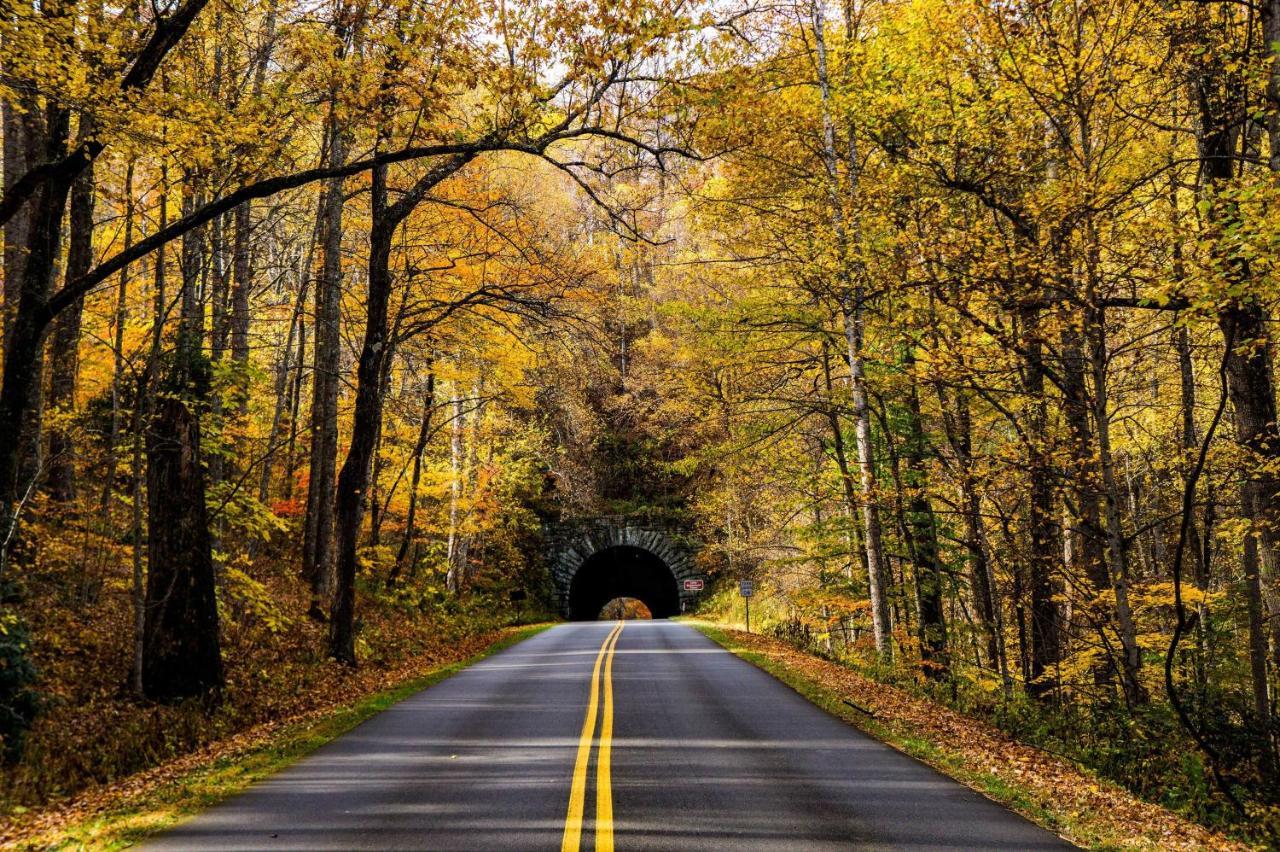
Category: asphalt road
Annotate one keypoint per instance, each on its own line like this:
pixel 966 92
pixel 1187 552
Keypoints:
pixel 689 746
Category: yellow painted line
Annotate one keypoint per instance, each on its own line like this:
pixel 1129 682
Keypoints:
pixel 604 758
pixel 578 792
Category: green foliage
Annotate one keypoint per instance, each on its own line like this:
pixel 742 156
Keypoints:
pixel 19 702
pixel 231 503
pixel 250 600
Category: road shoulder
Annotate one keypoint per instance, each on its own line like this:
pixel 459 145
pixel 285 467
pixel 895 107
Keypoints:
pixel 1050 791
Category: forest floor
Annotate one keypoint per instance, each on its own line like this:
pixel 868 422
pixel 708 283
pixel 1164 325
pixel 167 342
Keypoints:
pixel 1052 791
pixel 101 767
pixel 118 814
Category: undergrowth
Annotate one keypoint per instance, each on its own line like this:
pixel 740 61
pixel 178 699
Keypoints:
pixel 91 730
pixel 1142 748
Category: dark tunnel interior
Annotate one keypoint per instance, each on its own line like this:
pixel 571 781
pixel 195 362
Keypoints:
pixel 623 572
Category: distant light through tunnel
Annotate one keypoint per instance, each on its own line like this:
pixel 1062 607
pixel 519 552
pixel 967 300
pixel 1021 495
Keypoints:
pixel 625 609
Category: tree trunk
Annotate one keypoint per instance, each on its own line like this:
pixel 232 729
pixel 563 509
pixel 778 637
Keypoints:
pixel 241 288
pixel 1270 15
pixel 15 228
pixel 119 318
pixel 842 461
pixel 1118 563
pixel 138 592
pixel 182 657
pixel 21 397
pixel 1251 386
pixel 283 369
pixel 241 248
pixel 877 572
pixel 958 422
pixel 143 410
pixel 317 550
pixel 65 346
pixel 295 409
pixel 1045 626
pixel 1084 538
pixel 452 581
pixel 376 507
pixel 215 287
pixel 1243 321
pixel 923 536
pixel 851 313
pixel 20 134
pixel 419 447
pixel 1189 443
pixel 353 481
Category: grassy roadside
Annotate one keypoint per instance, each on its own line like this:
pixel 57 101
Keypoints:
pixel 1048 790
pixel 151 806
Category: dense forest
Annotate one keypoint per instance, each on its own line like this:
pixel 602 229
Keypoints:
pixel 948 323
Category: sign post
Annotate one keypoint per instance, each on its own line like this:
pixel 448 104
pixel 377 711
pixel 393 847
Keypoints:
pixel 517 597
pixel 693 585
pixel 746 588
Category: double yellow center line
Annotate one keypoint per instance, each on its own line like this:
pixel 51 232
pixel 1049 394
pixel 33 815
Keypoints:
pixel 604 783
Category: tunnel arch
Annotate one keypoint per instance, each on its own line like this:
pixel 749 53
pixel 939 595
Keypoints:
pixel 623 571
pixel 599 545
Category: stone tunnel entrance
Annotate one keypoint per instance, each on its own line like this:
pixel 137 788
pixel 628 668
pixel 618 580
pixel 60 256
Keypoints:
pixel 594 560
pixel 623 572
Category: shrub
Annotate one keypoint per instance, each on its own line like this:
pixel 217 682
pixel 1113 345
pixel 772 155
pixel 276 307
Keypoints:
pixel 18 702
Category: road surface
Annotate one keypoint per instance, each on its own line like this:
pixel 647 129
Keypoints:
pixel 591 736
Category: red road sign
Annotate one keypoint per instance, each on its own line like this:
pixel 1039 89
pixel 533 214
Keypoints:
pixel 693 585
